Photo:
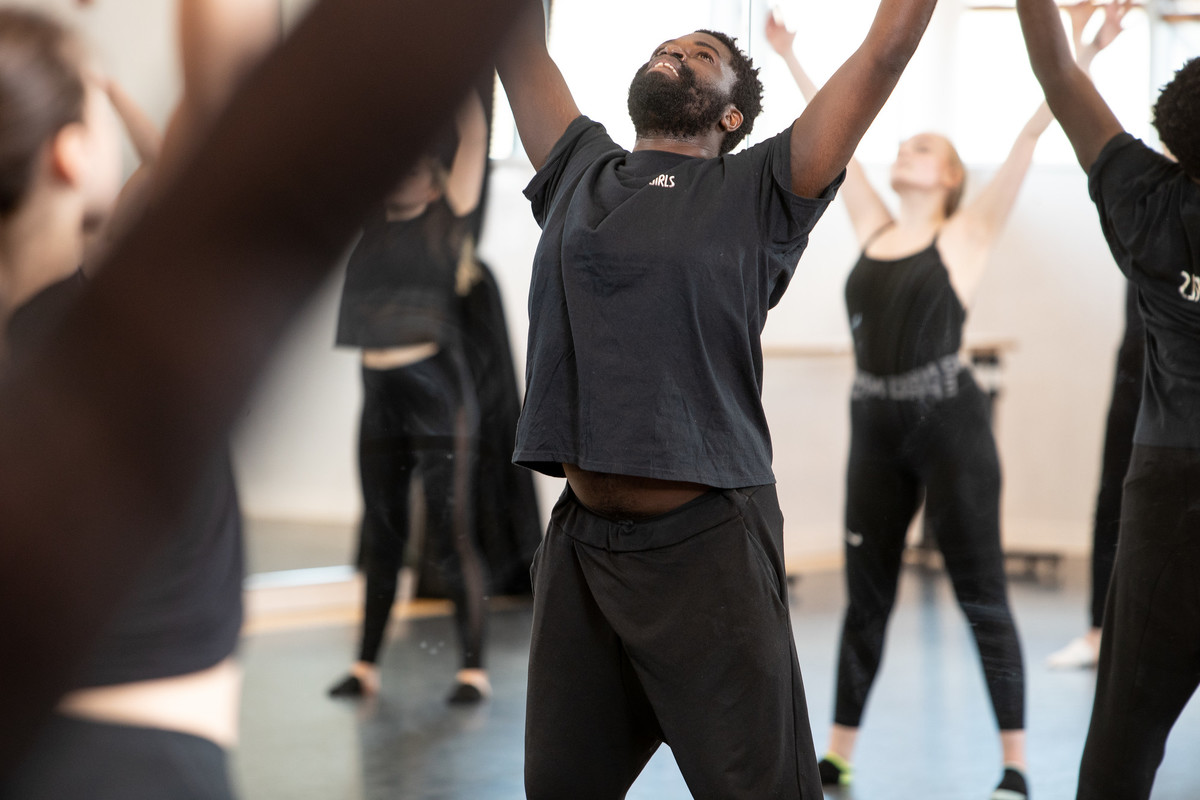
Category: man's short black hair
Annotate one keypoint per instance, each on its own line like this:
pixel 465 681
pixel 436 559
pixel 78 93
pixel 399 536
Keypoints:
pixel 1177 117
pixel 747 90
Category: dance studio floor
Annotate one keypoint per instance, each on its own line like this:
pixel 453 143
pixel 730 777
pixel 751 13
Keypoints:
pixel 929 732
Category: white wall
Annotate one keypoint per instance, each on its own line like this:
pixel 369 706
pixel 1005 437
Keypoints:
pixel 1052 287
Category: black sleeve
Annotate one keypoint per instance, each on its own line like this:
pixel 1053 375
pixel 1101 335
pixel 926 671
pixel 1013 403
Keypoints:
pixel 580 145
pixel 785 218
pixel 1131 186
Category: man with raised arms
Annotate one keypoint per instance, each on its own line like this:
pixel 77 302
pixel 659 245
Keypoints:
pixel 660 602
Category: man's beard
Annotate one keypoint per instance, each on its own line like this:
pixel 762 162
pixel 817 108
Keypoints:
pixel 662 106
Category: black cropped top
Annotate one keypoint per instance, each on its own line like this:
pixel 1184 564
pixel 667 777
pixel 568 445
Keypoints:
pixel 904 312
pixel 400 281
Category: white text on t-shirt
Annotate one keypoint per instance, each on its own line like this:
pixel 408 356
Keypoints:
pixel 1190 290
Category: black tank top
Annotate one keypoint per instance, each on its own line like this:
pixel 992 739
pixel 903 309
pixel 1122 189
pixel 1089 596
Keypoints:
pixel 904 313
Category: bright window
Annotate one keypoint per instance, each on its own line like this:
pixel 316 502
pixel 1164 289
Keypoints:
pixel 970 79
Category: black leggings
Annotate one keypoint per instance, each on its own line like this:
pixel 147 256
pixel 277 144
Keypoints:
pixel 421 419
pixel 1118 445
pixel 898 447
pixel 1150 651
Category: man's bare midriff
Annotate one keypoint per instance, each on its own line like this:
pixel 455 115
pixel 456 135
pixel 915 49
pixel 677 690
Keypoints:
pixel 629 496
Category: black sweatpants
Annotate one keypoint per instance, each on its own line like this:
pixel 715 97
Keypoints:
pixel 1118 446
pixel 1150 649
pixel 946 447
pixel 422 419
pixel 73 759
pixel 673 629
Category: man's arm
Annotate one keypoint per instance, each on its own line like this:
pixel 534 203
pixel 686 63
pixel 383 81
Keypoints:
pixel 984 216
pixel 826 135
pixel 1086 119
pixel 868 213
pixel 541 101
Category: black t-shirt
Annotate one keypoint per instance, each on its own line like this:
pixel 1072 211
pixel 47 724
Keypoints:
pixel 651 285
pixel 1150 215
pixel 400 281
pixel 183 613
pixel 34 319
pixel 904 312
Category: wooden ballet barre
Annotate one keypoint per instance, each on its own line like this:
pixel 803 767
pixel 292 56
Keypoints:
pixel 978 350
pixel 829 350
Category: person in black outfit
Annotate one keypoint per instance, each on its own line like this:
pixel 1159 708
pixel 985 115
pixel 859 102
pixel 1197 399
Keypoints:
pixel 1118 449
pixel 1149 206
pixel 401 303
pixel 919 424
pixel 112 419
pixel 160 686
pixel 660 601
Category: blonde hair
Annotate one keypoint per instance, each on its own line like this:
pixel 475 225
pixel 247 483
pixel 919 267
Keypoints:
pixel 955 195
pixel 468 273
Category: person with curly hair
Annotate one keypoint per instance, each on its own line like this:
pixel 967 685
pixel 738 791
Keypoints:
pixel 1176 114
pixel 660 600
pixel 1149 207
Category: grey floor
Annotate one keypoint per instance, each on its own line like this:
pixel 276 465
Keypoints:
pixel 929 733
